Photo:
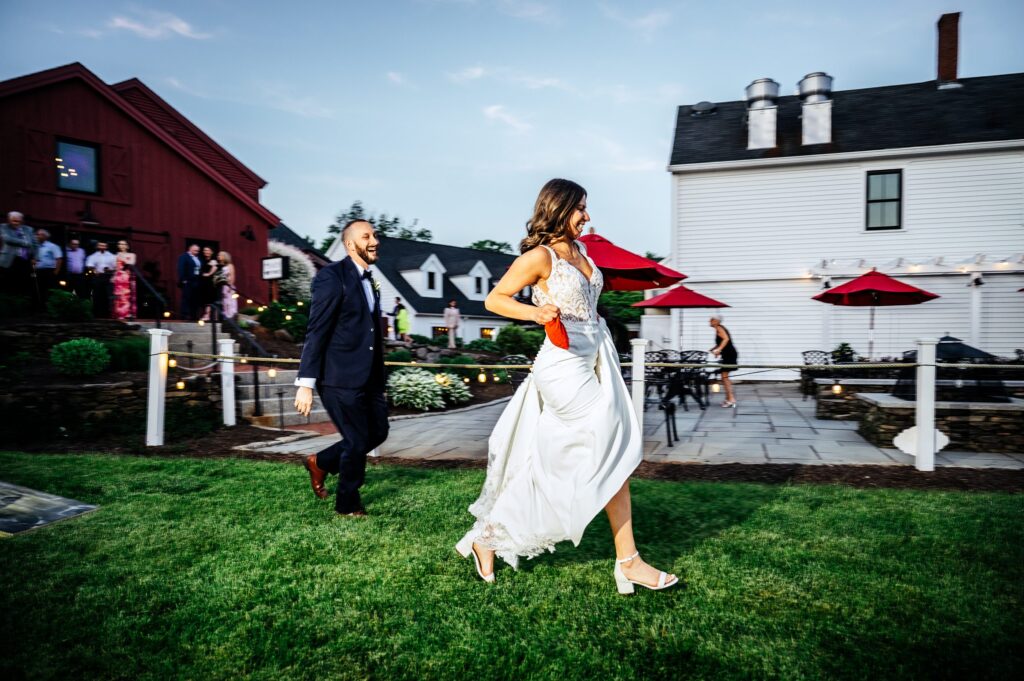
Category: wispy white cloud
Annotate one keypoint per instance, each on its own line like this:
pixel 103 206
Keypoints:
pixel 281 97
pixel 529 10
pixel 396 78
pixel 645 25
pixel 610 155
pixel 154 25
pixel 507 75
pixel 498 113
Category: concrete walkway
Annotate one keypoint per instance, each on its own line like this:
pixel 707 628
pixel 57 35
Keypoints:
pixel 772 424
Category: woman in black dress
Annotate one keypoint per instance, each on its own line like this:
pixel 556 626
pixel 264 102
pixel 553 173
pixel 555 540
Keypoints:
pixel 207 289
pixel 727 352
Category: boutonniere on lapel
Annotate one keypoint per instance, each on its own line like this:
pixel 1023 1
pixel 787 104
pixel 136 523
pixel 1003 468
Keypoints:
pixel 376 286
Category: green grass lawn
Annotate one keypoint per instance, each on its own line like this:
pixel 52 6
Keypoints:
pixel 227 568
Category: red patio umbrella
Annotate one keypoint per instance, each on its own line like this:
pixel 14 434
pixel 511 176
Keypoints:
pixel 680 296
pixel 626 271
pixel 872 289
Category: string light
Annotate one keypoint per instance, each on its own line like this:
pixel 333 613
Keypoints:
pixel 716 387
pixel 465 380
pixel 287 317
pixel 837 389
pixel 248 301
pixel 167 315
pixel 180 385
pixel 234 296
pixel 63 283
pixel 172 362
pixel 482 377
pixel 496 378
pixel 244 360
pixel 201 322
pixel 299 303
pixel 272 372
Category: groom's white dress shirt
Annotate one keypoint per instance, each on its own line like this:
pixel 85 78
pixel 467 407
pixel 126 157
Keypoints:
pixel 368 291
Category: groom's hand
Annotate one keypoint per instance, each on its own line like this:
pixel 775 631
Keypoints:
pixel 304 400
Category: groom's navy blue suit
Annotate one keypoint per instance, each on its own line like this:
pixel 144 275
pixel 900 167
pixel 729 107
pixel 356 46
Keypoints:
pixel 344 353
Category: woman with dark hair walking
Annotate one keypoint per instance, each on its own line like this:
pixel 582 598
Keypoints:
pixel 552 468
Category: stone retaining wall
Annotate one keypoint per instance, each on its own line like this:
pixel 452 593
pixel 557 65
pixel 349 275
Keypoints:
pixel 37 337
pixel 846 407
pixel 975 427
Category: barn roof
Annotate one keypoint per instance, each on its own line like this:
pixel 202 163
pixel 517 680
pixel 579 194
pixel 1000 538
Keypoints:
pixel 77 71
pixel 985 109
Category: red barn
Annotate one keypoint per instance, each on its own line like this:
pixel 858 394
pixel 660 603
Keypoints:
pixel 141 172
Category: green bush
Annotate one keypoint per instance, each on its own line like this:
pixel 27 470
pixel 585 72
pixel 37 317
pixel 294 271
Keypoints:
pixel 128 354
pixel 272 317
pixel 67 307
pixel 482 345
pixel 250 310
pixel 453 389
pixel 416 389
pixel 296 326
pixel 12 307
pixel 398 356
pixel 423 340
pixel 461 361
pixel 515 340
pixel 80 357
pixel 443 341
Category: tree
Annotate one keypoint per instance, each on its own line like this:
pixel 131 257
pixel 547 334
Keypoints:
pixel 383 223
pixel 651 256
pixel 618 305
pixel 493 246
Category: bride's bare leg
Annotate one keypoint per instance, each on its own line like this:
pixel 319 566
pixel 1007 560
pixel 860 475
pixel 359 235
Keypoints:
pixel 486 557
pixel 620 515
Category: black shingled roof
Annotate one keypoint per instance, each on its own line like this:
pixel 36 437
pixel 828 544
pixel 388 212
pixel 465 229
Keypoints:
pixel 397 254
pixel 985 109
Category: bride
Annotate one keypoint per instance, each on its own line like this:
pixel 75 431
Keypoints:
pixel 568 441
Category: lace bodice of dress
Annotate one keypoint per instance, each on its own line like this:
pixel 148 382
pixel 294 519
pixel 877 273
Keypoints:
pixel 569 290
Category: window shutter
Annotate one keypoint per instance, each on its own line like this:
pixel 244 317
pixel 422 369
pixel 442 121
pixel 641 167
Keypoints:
pixel 118 161
pixel 39 162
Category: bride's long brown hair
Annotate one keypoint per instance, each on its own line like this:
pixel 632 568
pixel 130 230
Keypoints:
pixel 555 205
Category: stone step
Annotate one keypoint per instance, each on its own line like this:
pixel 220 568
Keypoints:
pixel 284 377
pixel 269 402
pixel 268 390
pixel 272 419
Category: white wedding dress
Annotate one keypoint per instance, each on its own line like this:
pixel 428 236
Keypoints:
pixel 568 439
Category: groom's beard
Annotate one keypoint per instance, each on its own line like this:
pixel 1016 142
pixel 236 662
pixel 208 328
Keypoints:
pixel 369 256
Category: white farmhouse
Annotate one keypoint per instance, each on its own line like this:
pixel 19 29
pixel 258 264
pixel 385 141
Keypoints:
pixel 774 198
pixel 425 276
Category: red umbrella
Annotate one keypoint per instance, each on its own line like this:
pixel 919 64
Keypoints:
pixel 680 296
pixel 626 271
pixel 873 289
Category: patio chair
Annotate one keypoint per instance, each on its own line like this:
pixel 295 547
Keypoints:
pixel 807 376
pixel 516 376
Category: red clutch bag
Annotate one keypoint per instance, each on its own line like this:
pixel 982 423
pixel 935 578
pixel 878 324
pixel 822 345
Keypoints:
pixel 555 330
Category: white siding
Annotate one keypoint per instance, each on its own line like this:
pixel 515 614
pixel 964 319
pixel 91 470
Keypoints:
pixel 751 237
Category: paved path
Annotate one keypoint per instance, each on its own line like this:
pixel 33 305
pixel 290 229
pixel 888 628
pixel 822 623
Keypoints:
pixel 772 424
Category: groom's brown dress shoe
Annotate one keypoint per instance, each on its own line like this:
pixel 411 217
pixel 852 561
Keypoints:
pixel 316 476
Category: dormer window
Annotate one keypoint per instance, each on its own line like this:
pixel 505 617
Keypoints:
pixel 431 281
pixel 479 284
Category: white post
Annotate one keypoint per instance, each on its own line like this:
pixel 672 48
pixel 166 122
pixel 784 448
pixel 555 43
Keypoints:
pixel 924 457
pixel 639 359
pixel 158 339
pixel 975 315
pixel 227 379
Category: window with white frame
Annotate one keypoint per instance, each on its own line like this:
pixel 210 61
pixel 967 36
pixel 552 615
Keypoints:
pixel 884 200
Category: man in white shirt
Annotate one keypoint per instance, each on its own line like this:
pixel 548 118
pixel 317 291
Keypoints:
pixel 49 259
pixel 100 268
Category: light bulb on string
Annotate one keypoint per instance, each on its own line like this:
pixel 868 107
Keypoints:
pixel 172 362
pixel 481 377
pixel 167 315
pixel 837 388
pixel 180 385
pixel 201 322
pixel 272 372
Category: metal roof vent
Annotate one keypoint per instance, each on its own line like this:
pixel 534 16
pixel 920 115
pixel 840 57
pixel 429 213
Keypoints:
pixel 816 87
pixel 762 93
pixel 703 110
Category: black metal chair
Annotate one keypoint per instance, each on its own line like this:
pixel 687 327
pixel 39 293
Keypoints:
pixel 516 376
pixel 807 376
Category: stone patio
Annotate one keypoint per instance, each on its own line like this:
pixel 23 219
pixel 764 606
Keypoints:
pixel 772 424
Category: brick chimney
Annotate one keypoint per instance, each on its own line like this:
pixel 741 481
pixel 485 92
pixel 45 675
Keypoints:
pixel 949 47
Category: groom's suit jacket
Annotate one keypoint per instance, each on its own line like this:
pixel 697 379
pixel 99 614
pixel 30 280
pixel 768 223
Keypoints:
pixel 343 346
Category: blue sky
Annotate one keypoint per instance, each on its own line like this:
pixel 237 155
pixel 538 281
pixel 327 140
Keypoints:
pixel 455 112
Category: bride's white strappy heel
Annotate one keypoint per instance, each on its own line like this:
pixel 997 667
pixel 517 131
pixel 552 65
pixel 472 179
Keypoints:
pixel 625 585
pixel 465 549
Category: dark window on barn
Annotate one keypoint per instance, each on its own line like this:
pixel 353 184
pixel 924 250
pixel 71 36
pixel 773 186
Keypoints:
pixel 885 199
pixel 78 167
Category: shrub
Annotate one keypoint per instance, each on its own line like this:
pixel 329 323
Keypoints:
pixel 398 356
pixel 128 354
pixel 296 326
pixel 272 317
pixel 515 340
pixel 453 389
pixel 843 353
pixel 12 307
pixel 443 341
pixel 483 345
pixel 80 357
pixel 67 307
pixel 416 389
pixel 462 361
pixel 301 271
pixel 423 340
pixel 250 310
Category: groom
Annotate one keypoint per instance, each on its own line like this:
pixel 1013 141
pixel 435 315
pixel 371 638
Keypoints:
pixel 343 360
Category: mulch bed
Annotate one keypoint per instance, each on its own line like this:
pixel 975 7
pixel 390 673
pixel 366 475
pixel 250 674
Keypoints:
pixel 219 444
